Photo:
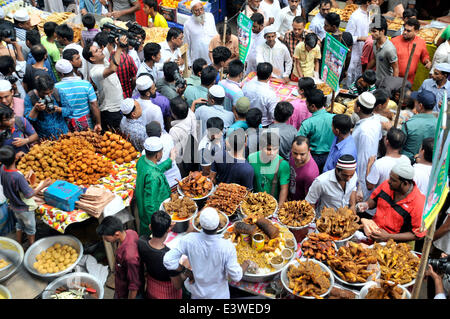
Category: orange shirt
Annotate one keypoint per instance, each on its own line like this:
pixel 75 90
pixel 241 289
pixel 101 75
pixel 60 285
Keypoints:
pixel 233 45
pixel 404 49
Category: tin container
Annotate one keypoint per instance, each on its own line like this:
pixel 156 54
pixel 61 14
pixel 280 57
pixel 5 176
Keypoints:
pixel 258 241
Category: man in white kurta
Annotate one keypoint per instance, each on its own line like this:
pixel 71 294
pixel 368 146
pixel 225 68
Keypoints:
pixel 257 39
pixel 199 29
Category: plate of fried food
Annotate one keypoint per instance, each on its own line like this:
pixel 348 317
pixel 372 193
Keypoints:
pixel 383 289
pixel 307 278
pixel 397 262
pixel 325 88
pixel 354 265
pixel 195 186
pixel 296 214
pixel 180 208
pixel 428 34
pixel 223 221
pixel 340 224
pixel 394 24
pixel 274 239
pixel 260 204
pixel 227 198
pixel 319 246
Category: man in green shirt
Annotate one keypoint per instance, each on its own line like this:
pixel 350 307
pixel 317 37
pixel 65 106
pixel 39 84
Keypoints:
pixel 421 125
pixel 318 128
pixel 272 172
pixel 207 79
pixel 152 187
pixel 48 41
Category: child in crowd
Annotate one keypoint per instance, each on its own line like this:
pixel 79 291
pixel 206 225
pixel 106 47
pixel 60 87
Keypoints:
pixel 89 23
pixel 365 83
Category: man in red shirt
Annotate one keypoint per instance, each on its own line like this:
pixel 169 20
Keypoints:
pixel 399 205
pixel 404 43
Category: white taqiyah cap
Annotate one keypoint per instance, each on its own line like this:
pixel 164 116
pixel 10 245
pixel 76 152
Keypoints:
pixel 153 144
pixel 143 83
pixel 269 29
pixel 367 100
pixel 217 91
pixel 64 66
pixel 194 3
pixel 404 170
pixel 5 85
pixel 209 218
pixel 21 15
pixel 444 67
pixel 127 106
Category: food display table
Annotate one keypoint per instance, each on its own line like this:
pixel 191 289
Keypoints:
pixel 285 92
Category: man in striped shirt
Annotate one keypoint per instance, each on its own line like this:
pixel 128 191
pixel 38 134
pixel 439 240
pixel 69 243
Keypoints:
pixel 81 96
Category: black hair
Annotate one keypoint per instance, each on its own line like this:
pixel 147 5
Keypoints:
pixel 370 76
pixel 311 40
pixel 6 64
pixel 7 155
pixel 49 28
pixel 333 19
pixel 408 103
pixel 44 83
pixel 220 54
pixel 220 30
pixel 150 50
pixel 38 52
pixel 364 109
pixel 68 54
pixel 323 2
pixel 208 75
pixel 6 113
pixel 253 117
pixel 413 23
pixel 88 20
pixel 347 39
pixel 236 140
pixel 299 140
pixel 381 96
pixel 101 38
pixel 409 12
pixel 173 33
pixel 33 36
pixel 169 69
pixel 257 18
pixel 383 24
pixel 299 19
pixel 283 111
pixel 396 138
pixel 235 68
pixel 152 4
pixel 179 107
pixel 343 123
pixel 109 226
pixel 197 65
pixel 427 145
pixel 315 97
pixel 264 70
pixel 306 84
pixel 269 138
pixel 65 32
pixel 215 122
pixel 87 54
pixel 153 129
pixel 160 220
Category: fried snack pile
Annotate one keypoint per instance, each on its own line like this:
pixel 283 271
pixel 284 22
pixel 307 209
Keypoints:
pixel 4 263
pixel 428 34
pixel 195 185
pixel 325 88
pixel 397 262
pixel 55 259
pixel 308 279
pixel 180 207
pixel 115 147
pixel 296 213
pixel 351 263
pixel 387 290
pixel 339 224
pixel 318 246
pixel 57 17
pixel 394 24
pixel 227 198
pixel 343 13
pixel 222 221
pixel 92 137
pixel 259 204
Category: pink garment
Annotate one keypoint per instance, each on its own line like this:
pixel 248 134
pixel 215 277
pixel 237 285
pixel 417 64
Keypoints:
pixel 367 53
pixel 300 114
pixel 18 106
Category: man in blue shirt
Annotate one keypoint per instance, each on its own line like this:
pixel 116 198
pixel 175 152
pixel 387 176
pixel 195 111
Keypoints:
pixel 318 21
pixel 194 92
pixel 438 83
pixel 33 37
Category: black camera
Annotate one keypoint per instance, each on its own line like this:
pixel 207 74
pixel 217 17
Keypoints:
pixel 134 30
pixel 7 30
pixel 180 82
pixel 440 265
pixel 48 102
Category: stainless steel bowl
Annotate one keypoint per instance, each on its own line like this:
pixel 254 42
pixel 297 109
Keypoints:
pixel 5 293
pixel 73 280
pixel 47 242
pixel 11 251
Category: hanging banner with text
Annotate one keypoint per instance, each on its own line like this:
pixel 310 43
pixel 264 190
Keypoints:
pixel 333 60
pixel 245 25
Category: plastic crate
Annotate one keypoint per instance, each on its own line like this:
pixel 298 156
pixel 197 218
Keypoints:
pixel 182 8
pixel 63 195
pixel 175 25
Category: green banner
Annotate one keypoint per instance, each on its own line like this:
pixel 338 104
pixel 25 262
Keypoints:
pixel 333 60
pixel 245 25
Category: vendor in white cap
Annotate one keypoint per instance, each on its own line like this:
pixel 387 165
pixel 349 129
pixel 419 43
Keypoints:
pixel 215 108
pixel 133 123
pixel 438 83
pixel 7 98
pixel 198 30
pixel 21 25
pixel 367 134
pixel 147 91
pixel 213 259
pixel 275 53
pixel 152 187
pixel 80 94
pixel 399 205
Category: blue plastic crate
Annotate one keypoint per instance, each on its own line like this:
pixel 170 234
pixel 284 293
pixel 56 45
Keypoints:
pixel 171 24
pixel 63 195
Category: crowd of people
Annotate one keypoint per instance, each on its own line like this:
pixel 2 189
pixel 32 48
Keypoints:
pixel 199 115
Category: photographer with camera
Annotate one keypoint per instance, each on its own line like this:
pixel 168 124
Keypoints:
pixel 46 109
pixel 173 84
pixel 439 271
pixel 104 76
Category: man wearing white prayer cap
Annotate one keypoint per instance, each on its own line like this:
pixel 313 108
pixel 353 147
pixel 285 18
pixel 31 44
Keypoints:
pixel 7 98
pixel 22 24
pixel 152 187
pixel 133 123
pixel 80 95
pixel 213 260
pixel 399 204
pixel 147 91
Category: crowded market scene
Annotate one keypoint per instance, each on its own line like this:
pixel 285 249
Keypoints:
pixel 257 149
